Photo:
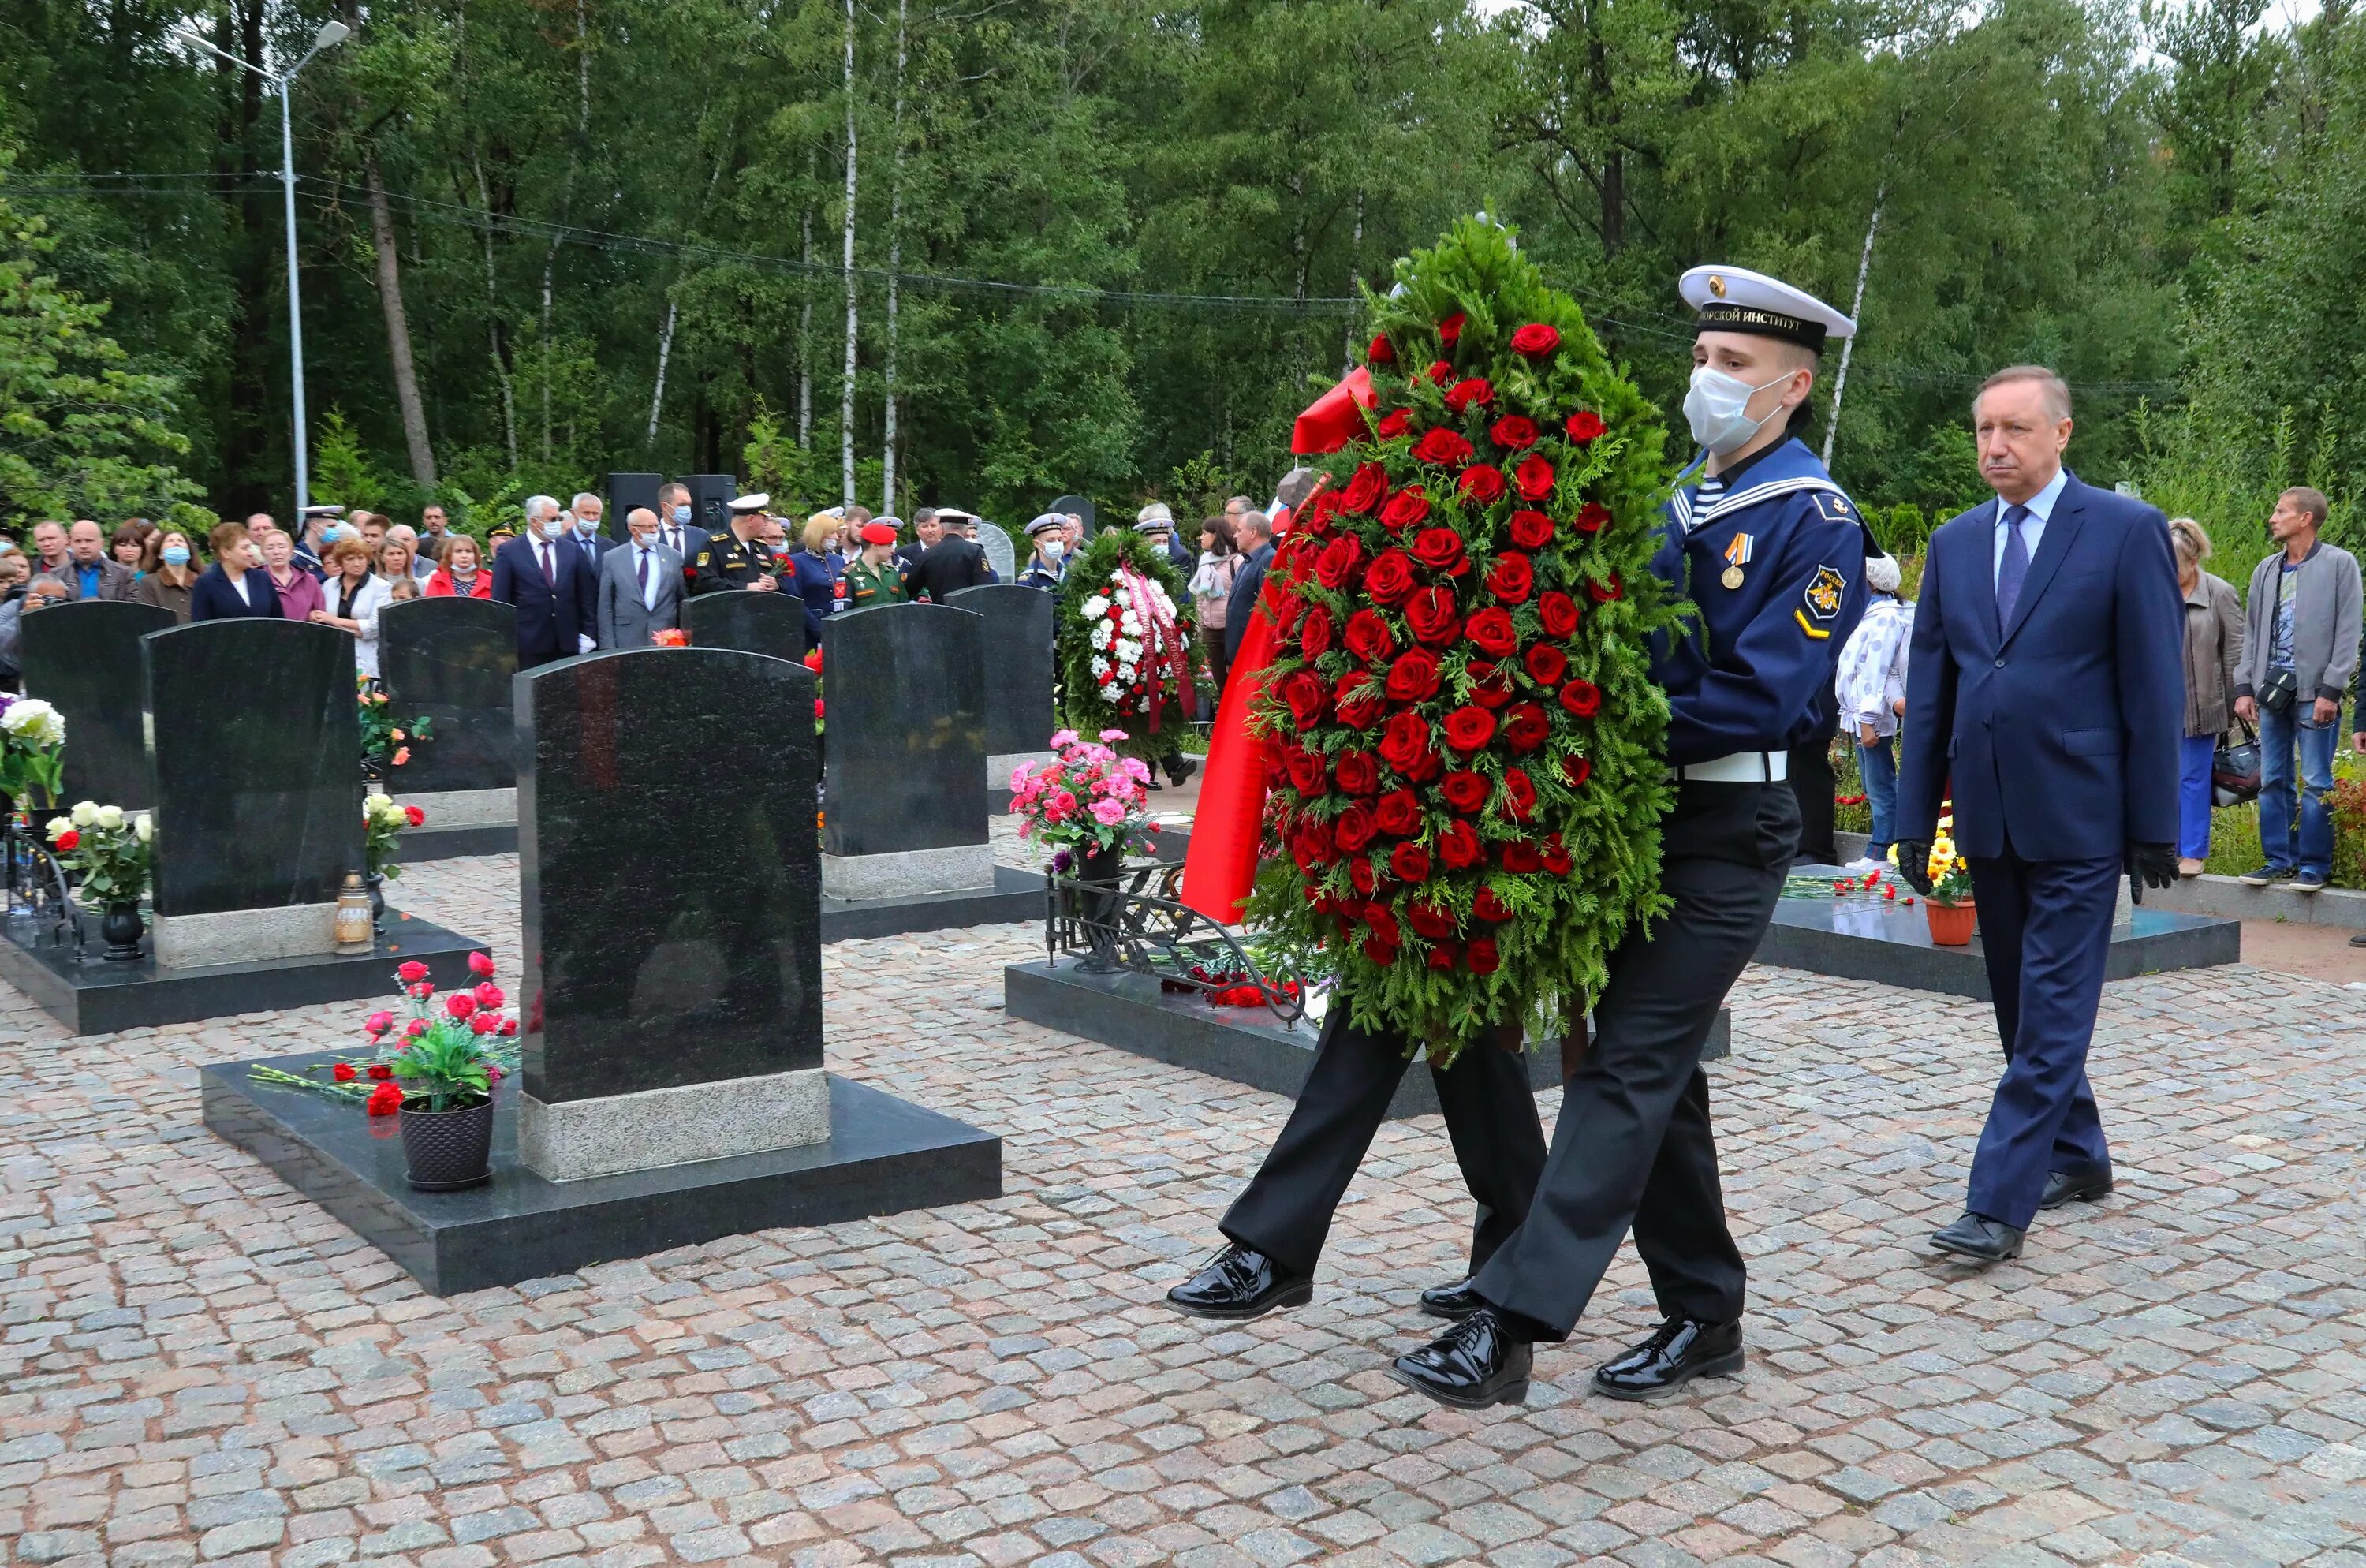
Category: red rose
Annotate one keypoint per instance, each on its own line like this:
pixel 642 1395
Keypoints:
pixel 1556 858
pixel 1431 615
pixel 1489 687
pixel 414 815
pixel 1314 632
pixel 1429 920
pixel 1440 549
pixel 1409 862
pixel 1459 846
pixel 1359 874
pixel 1560 613
pixel 1513 580
pixel 1389 578
pixel 68 840
pixel 1584 425
pixel 1404 745
pixel 1464 790
pixel 1526 727
pixel 1393 423
pixel 1303 690
pixel 1397 814
pixel 1576 770
pixel 1358 700
pixel 1482 482
pixel 1354 830
pixel 1487 906
pixel 1535 478
pixel 1310 847
pixel 1522 793
pixel 1382 352
pixel 1443 448
pixel 1583 698
pixel 410 972
pixel 1522 857
pixel 1547 664
pixel 1355 772
pixel 1306 770
pixel 1472 392
pixel 1336 567
pixel 1368 639
pixel 1380 952
pixel 1468 729
pixel 1439 372
pixel 1592 516
pixel 1535 339
pixel 1451 327
pixel 1605 591
pixel 1481 955
pixel 1514 432
pixel 1412 677
pixel 1490 632
pixel 1442 955
pixel 1364 491
pixel 1405 508
pixel 1281 599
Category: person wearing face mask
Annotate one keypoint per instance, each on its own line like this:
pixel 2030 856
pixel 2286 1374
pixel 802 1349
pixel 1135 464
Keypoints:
pixel 553 590
pixel 585 512
pixel 169 585
pixel 676 532
pixel 1049 562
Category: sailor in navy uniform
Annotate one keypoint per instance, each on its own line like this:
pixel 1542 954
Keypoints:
pixel 1771 554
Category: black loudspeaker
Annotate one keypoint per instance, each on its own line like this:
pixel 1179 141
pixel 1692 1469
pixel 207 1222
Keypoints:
pixel 1077 505
pixel 626 491
pixel 711 496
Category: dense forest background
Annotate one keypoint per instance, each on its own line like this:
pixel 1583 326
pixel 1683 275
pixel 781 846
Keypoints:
pixel 983 252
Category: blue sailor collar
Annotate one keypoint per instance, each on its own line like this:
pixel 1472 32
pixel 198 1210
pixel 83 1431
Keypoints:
pixel 1787 469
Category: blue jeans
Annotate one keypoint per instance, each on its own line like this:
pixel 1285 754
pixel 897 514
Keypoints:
pixel 2195 754
pixel 1878 765
pixel 2279 735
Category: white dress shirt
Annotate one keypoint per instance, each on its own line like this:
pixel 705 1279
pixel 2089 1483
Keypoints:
pixel 2033 527
pixel 647 564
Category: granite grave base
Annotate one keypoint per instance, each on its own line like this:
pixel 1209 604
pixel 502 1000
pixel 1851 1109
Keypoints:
pixel 1245 1045
pixel 95 997
pixel 1015 896
pixel 1858 938
pixel 883 1156
pixel 421 845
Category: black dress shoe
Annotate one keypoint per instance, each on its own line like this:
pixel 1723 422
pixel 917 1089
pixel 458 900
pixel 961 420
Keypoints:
pixel 1183 768
pixel 1978 1237
pixel 2075 1187
pixel 1240 1282
pixel 1472 1365
pixel 1455 1301
pixel 1680 1350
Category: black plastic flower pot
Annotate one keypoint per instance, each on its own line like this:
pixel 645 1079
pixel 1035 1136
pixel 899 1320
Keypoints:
pixel 446 1150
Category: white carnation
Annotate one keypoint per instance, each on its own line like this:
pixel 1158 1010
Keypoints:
pixel 1127 650
pixel 1102 634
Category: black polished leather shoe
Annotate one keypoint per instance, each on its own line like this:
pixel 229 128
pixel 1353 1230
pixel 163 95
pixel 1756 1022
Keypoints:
pixel 1680 1350
pixel 1183 769
pixel 1240 1282
pixel 1454 1301
pixel 1977 1237
pixel 1472 1365
pixel 2075 1186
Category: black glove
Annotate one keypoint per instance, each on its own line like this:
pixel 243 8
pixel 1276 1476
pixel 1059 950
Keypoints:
pixel 2150 865
pixel 1914 864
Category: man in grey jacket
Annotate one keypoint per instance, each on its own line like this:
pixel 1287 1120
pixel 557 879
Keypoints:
pixel 2300 650
pixel 640 586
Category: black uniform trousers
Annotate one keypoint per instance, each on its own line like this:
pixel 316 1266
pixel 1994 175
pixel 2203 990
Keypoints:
pixel 1491 1116
pixel 1813 782
pixel 1633 1148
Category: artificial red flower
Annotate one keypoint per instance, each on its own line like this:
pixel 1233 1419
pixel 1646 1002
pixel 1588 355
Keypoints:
pixel 1355 772
pixel 1367 636
pixel 1442 955
pixel 1531 530
pixel 1429 919
pixel 1535 477
pixel 1490 631
pixel 415 1027
pixel 1336 567
pixel 1592 516
pixel 1409 862
pixel 1439 372
pixel 509 1026
pixel 813 660
pixel 1481 956
pixel 1314 632
pixel 1397 813
pixel 484 1024
pixel 1443 448
pixel 1364 491
pixel 69 840
pixel 818 706
pixel 1576 770
pixel 1523 857
pixel 1389 578
pixel 1482 482
pixel 380 1071
pixel 1487 906
pixel 1305 770
pixel 410 972
pixel 1471 392
pixel 1605 591
pixel 1523 792
pixel 1393 423
pixel 1583 698
pixel 1405 508
pixel 1469 729
pixel 1306 696
pixel 1535 339
pixel 343 1072
pixel 460 1004
pixel 385 1099
pixel 1560 614
pixel 1514 432
pixel 378 1023
pixel 1440 549
pixel 1358 700
pixel 1458 846
pixel 1513 577
pixel 1405 747
pixel 1451 327
pixel 1556 859
pixel 1464 790
pixel 1412 677
pixel 1545 663
pixel 1526 727
pixel 1382 352
pixel 1584 425
pixel 1430 615
pixel 1489 687
pixel 1354 830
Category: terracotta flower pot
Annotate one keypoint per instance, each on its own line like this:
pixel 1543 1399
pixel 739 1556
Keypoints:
pixel 1951 924
pixel 446 1150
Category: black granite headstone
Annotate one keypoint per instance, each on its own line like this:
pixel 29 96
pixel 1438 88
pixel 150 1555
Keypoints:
pixel 906 760
pixel 84 659
pixel 770 623
pixel 256 752
pixel 1017 641
pixel 1077 506
pixel 626 491
pixel 670 879
pixel 452 661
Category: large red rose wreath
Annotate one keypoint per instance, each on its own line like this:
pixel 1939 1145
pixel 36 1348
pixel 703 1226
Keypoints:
pixel 1464 744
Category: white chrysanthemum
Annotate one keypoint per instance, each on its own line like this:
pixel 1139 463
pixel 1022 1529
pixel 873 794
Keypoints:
pixel 110 817
pixel 1102 636
pixel 143 827
pixel 1096 606
pixel 1127 650
pixel 1122 596
pixel 1100 666
pixel 85 812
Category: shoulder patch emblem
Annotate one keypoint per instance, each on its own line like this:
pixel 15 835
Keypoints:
pixel 1825 591
pixel 702 558
pixel 1835 507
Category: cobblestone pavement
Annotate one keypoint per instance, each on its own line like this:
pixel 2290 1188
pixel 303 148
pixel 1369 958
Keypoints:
pixel 195 1365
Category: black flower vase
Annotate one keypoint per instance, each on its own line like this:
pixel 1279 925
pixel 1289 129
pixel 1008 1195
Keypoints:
pixel 444 1151
pixel 1099 904
pixel 376 881
pixel 121 927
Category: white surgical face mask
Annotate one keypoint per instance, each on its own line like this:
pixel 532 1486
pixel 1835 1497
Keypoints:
pixel 551 528
pixel 1717 409
pixel 1053 550
pixel 680 515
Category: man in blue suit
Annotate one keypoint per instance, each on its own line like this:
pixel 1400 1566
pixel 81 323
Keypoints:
pixel 551 585
pixel 2047 678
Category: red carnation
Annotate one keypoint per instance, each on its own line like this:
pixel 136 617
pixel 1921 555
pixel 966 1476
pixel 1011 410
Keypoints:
pixel 1556 859
pixel 1439 372
pixel 1535 339
pixel 1404 745
pixel 68 840
pixel 1490 632
pixel 1522 857
pixel 1592 516
pixel 1314 632
pixel 1468 729
pixel 385 1099
pixel 1471 392
pixel 1514 432
pixel 1358 700
pixel 1526 727
pixel 1397 813
pixel 1368 639
pixel 1584 425
pixel 1442 955
pixel 1522 793
pixel 1405 508
pixel 1547 664
pixel 1605 591
pixel 1487 906
pixel 1482 482
pixel 1393 423
pixel 1560 614
pixel 1459 846
pixel 1440 549
pixel 1305 770
pixel 1409 862
pixel 1513 580
pixel 1354 830
pixel 1336 567
pixel 1583 698
pixel 1412 677
pixel 1304 690
pixel 1481 956
pixel 1489 686
pixel 1451 327
pixel 1382 352
pixel 1430 614
pixel 380 1071
pixel 1576 770
pixel 1535 478
pixel 1429 920
pixel 1442 446
pixel 1355 772
pixel 1464 790
pixel 343 1072
pixel 1364 491
pixel 413 815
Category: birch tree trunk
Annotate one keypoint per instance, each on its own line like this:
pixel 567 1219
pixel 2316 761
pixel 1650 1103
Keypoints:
pixel 894 260
pixel 1856 306
pixel 804 315
pixel 846 386
pixel 665 351
pixel 565 191
pixel 494 318
pixel 398 324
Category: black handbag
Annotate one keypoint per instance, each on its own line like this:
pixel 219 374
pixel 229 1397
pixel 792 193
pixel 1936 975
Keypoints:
pixel 2235 770
pixel 2280 691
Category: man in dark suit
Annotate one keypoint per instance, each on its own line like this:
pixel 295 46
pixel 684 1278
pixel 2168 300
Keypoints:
pixel 583 530
pixel 676 532
pixel 1254 532
pixel 546 578
pixel 953 563
pixel 2045 678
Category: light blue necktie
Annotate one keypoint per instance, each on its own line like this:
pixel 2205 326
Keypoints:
pixel 2014 568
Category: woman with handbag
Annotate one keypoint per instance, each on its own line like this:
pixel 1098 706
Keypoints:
pixel 2214 651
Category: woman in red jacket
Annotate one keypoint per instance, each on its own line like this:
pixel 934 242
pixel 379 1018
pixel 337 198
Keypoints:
pixel 461 576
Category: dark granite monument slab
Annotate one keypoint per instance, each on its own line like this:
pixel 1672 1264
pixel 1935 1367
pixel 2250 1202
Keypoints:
pixel 1245 1045
pixel 1015 896
pixel 1017 638
pixel 452 661
pixel 881 1155
pixel 84 660
pixel 903 787
pixel 771 623
pixel 1076 506
pixel 1861 938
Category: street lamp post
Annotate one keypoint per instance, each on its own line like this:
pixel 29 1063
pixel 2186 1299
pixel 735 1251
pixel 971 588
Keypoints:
pixel 332 32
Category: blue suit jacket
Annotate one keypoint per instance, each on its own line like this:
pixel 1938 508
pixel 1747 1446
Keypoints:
pixel 548 622
pixel 211 598
pixel 2060 729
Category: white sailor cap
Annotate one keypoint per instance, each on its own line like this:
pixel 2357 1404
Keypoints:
pixel 1736 299
pixel 1154 518
pixel 756 503
pixel 324 509
pixel 1046 523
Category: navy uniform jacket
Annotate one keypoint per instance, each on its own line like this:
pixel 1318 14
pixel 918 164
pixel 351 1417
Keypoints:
pixel 1748 674
pixel 2060 729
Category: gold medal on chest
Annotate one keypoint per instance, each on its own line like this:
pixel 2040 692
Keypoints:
pixel 1732 577
pixel 1737 556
